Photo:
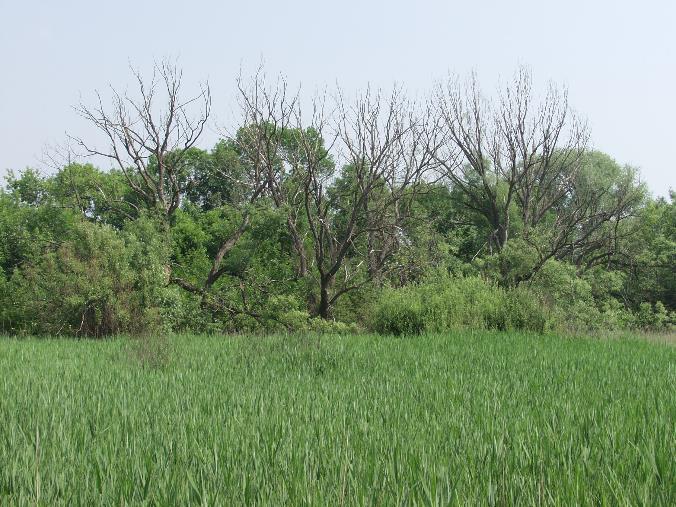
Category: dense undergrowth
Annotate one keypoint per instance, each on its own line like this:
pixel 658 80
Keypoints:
pixel 553 301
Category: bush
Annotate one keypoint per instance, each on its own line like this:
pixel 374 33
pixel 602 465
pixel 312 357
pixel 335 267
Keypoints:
pixel 441 303
pixel 654 318
pixel 399 312
pixel 299 321
pixel 570 297
pixel 523 309
pixel 89 285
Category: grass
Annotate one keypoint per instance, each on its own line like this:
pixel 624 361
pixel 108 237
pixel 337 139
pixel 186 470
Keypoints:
pixel 466 418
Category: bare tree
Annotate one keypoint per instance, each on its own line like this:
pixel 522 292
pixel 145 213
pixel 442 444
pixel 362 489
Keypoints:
pixel 385 150
pixel 268 114
pixel 515 150
pixel 147 135
pixel 519 156
pixel 261 141
pixel 386 154
pixel 589 223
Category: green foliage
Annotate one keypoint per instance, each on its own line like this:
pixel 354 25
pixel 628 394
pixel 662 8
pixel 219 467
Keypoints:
pixel 78 288
pixel 399 312
pixel 207 187
pixel 101 197
pixel 97 282
pixel 26 231
pixel 583 303
pixel 655 317
pixel 442 303
pixel 649 258
pixel 515 262
pixel 571 296
pixel 300 322
pixel 28 188
pixel 469 418
pixel 81 252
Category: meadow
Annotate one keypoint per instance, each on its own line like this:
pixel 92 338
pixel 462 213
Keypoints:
pixel 465 418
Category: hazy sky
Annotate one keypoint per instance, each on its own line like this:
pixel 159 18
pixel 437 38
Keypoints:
pixel 617 57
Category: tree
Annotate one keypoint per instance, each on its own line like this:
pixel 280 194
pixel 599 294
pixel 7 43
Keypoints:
pixel 524 166
pixel 99 196
pixel 312 206
pixel 387 154
pixel 648 256
pixel 153 145
pixel 271 150
pixel 222 188
pixel 513 152
pixel 588 226
pixel 149 141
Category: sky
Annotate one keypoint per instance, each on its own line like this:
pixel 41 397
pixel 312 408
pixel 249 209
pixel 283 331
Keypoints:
pixel 616 57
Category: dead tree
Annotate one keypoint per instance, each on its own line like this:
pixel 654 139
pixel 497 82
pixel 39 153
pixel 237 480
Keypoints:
pixel 518 156
pixel 147 135
pixel 515 150
pixel 265 141
pixel 261 142
pixel 385 155
pixel 591 221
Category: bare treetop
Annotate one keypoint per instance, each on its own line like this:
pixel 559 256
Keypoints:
pixel 532 148
pixel 148 134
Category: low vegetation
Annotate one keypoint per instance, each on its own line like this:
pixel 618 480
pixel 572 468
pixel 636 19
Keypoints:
pixel 465 418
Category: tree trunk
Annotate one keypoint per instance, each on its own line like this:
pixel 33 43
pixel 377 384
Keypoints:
pixel 323 309
pixel 502 236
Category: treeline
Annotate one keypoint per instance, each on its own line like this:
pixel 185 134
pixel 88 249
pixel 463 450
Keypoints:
pixel 332 214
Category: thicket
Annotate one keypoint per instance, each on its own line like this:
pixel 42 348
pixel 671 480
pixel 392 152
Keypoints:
pixel 557 299
pixel 65 274
pixel 385 217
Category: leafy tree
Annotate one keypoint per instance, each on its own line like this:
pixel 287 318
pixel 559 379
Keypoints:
pixel 461 211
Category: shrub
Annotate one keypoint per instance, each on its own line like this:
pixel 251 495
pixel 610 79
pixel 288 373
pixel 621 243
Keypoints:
pixel 442 303
pixel 525 310
pixel 299 321
pixel 569 296
pixel 88 286
pixel 654 318
pixel 400 311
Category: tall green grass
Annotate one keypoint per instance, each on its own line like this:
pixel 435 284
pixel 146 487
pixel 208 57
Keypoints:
pixel 465 418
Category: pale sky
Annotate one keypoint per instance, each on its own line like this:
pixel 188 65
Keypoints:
pixel 617 58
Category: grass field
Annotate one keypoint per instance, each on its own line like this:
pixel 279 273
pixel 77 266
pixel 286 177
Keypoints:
pixel 467 418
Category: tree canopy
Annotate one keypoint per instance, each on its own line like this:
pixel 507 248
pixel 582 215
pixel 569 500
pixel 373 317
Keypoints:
pixel 347 212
